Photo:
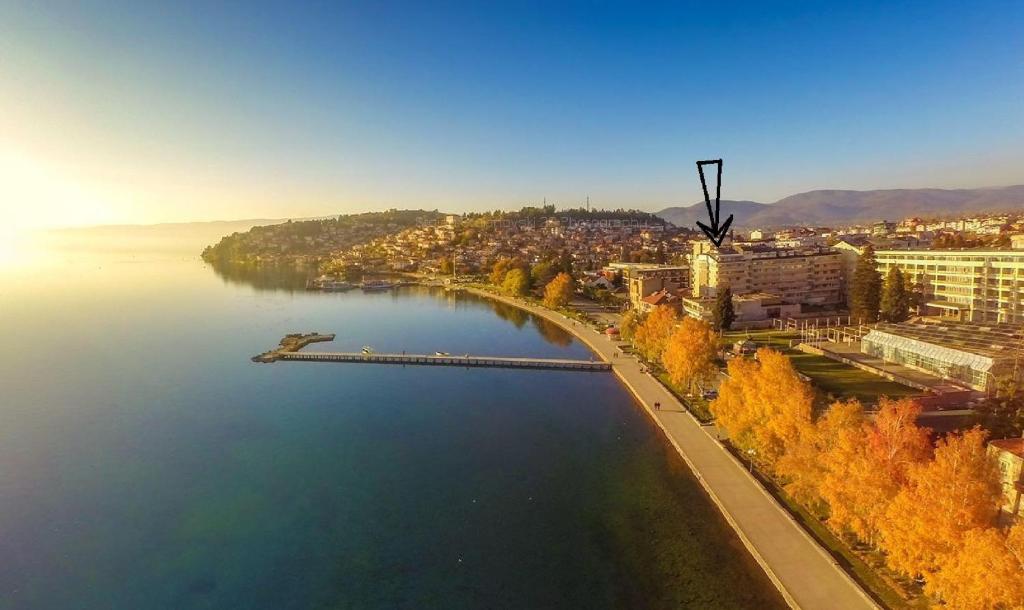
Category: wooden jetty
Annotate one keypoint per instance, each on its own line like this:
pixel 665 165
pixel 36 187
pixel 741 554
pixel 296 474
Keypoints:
pixel 291 344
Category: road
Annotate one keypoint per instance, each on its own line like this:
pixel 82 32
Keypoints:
pixel 805 573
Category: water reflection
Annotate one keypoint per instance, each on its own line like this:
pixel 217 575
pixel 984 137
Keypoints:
pixel 286 278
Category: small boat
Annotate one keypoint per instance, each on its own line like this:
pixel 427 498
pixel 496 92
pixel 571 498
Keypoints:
pixel 336 286
pixel 367 349
pixel 442 354
pixel 377 285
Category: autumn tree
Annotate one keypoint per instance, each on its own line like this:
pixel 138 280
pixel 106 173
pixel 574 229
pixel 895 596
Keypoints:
pixel 866 288
pixel 689 356
pixel 895 303
pixel 559 291
pixel 764 405
pixel 867 467
pixel 804 465
pixel 631 320
pixel 955 492
pixel 985 572
pixel 499 270
pixel 651 336
pixel 516 283
pixel 723 315
pixel 542 273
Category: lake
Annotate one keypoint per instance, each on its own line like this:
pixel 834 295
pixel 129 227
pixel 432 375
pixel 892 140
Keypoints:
pixel 145 462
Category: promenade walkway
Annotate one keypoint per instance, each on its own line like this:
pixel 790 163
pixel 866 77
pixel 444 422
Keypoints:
pixel 805 573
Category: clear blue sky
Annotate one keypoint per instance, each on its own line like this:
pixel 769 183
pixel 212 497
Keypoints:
pixel 133 113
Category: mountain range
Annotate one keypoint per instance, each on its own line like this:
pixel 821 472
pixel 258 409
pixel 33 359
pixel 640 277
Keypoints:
pixel 840 207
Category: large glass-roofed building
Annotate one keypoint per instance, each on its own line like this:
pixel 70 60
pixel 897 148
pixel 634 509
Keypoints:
pixel 973 355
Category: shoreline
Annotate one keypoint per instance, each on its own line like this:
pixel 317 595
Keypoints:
pixel 805 574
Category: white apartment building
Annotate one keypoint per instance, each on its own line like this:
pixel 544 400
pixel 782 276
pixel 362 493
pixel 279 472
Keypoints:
pixel 966 285
pixel 808 276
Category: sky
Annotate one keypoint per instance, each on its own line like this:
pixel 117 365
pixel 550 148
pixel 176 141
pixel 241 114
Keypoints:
pixel 145 113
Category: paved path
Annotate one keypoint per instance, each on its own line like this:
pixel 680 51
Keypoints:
pixel 805 573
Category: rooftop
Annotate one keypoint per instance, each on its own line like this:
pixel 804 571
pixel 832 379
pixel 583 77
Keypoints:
pixel 994 341
pixel 1010 445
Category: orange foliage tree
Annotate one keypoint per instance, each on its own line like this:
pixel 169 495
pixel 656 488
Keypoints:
pixel 804 466
pixel 652 335
pixel 867 466
pixel 764 405
pixel 690 352
pixel 559 291
pixel 986 572
pixel 944 499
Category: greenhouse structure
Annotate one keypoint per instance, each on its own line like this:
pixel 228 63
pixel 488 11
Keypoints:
pixel 971 355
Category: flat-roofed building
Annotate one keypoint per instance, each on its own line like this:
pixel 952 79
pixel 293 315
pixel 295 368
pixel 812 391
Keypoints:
pixel 966 285
pixel 971 355
pixel 749 308
pixel 811 276
pixel 1009 455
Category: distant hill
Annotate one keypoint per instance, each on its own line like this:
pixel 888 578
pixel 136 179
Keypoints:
pixel 830 207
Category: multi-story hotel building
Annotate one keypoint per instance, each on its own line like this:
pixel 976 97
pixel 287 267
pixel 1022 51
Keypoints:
pixel 811 276
pixel 966 285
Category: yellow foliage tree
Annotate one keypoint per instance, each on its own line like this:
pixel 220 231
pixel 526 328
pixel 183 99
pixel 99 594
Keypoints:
pixel 689 356
pixel 764 405
pixel 867 466
pixel 803 466
pixel 653 333
pixel 955 492
pixel 984 573
pixel 631 320
pixel 559 291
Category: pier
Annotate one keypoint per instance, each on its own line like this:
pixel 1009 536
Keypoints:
pixel 465 361
pixel 291 344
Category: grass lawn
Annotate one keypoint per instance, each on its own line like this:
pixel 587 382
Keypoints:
pixel 830 377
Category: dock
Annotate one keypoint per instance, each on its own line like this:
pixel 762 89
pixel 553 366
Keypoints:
pixel 464 361
pixel 289 348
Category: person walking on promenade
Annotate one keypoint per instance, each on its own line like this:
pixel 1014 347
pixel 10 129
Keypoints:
pixel 657 406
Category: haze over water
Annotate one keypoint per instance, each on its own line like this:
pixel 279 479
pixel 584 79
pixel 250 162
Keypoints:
pixel 145 462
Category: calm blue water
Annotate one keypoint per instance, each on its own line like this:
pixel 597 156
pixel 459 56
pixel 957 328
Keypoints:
pixel 145 462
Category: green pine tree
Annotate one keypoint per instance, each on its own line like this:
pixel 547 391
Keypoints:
pixel 723 315
pixel 866 290
pixel 895 304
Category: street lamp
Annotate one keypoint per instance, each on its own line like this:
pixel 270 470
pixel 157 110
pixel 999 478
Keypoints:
pixel 750 456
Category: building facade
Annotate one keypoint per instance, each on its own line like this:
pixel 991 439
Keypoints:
pixel 1009 455
pixel 965 285
pixel 643 279
pixel 809 277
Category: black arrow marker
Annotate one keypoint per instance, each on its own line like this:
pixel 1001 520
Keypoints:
pixel 715 233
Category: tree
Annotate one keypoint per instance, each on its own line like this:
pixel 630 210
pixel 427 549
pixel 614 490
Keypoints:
pixel 764 405
pixel 1003 413
pixel 895 303
pixel 516 283
pixel 498 271
pixel 689 356
pixel 804 465
pixel 446 265
pixel 944 498
pixel 866 288
pixel 559 291
pixel 542 273
pixel 984 573
pixel 867 467
pixel 651 336
pixel 631 320
pixel 723 315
